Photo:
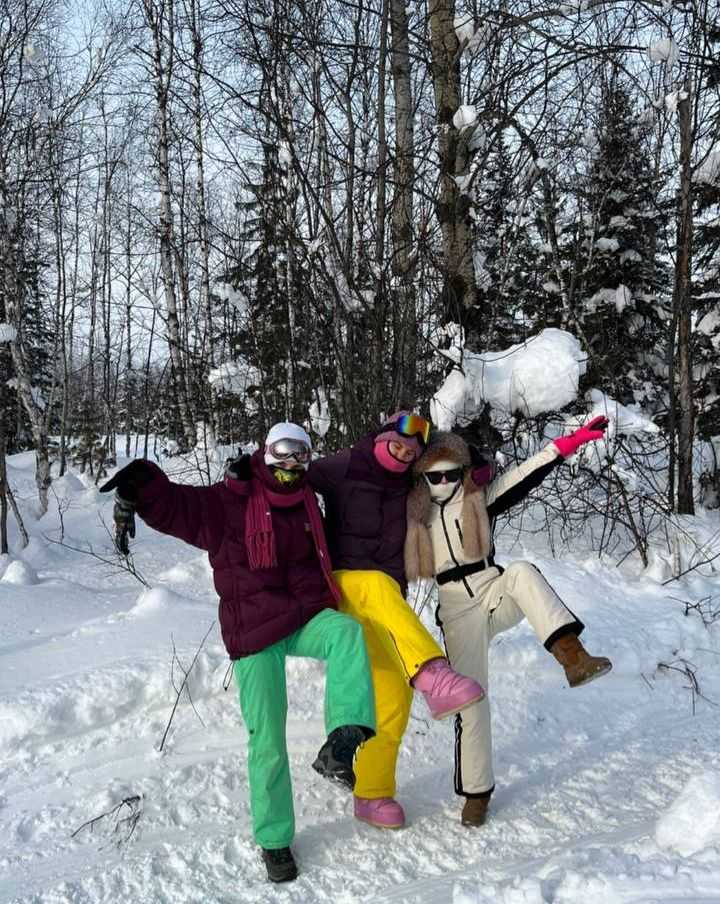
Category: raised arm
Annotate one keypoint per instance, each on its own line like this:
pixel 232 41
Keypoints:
pixel 515 484
pixel 192 514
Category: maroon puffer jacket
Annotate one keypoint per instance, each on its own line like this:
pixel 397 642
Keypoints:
pixel 260 607
pixel 365 510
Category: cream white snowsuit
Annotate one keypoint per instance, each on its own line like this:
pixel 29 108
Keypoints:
pixel 476 607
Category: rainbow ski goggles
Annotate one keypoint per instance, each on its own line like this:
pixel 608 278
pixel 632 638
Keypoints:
pixel 411 425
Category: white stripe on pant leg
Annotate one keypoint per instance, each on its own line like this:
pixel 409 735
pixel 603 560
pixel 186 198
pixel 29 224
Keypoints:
pixel 464 624
pixel 473 750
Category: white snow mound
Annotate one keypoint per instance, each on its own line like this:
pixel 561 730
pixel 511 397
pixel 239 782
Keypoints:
pixel 19 573
pixel 539 375
pixel 692 822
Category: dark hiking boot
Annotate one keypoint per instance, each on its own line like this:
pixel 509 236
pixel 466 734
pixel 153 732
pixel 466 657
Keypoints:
pixel 280 864
pixel 335 757
pixel 580 667
pixel 474 813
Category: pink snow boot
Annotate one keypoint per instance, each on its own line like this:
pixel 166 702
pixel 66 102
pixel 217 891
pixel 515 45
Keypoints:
pixel 382 812
pixel 446 691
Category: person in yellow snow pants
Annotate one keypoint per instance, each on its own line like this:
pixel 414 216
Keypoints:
pixel 365 489
pixel 398 645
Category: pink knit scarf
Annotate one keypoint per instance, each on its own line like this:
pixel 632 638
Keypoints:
pixel 259 534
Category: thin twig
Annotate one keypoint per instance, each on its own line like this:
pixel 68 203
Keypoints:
pixel 134 804
pixel 121 565
pixel 184 682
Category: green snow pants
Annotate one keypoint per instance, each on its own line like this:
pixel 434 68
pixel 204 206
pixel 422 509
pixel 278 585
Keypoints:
pixel 349 700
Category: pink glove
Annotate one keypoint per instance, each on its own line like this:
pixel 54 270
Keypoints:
pixel 568 445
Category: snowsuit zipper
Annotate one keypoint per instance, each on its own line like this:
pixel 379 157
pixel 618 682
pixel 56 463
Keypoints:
pixel 449 545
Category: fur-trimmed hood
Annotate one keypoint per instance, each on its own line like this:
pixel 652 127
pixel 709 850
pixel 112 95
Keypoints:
pixel 419 554
pixel 443 445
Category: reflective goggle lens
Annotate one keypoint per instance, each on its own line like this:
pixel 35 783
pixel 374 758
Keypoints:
pixel 411 425
pixel 283 449
pixel 452 476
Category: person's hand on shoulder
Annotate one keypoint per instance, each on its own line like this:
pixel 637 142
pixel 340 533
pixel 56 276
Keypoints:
pixel 482 468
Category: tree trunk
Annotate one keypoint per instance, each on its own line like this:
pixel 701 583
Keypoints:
pixel 685 420
pixel 404 255
pixel 161 22
pixel 459 291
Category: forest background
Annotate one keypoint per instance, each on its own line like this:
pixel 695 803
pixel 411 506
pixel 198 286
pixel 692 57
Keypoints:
pixel 219 214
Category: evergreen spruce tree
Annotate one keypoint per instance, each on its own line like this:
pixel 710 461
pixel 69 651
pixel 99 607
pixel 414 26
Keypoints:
pixel 706 299
pixel 622 307
pixel 506 258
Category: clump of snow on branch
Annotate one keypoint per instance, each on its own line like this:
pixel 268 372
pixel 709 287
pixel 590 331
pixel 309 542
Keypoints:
pixel 709 325
pixel 607 244
pixel 692 822
pixel 465 116
pixel 234 377
pixel 469 37
pixel 33 55
pixel 625 419
pixel 665 51
pixel 673 99
pixel 319 413
pixel 541 374
pixel 35 392
pixel 623 298
pixel 709 171
pixel 238 299
pixel 8 333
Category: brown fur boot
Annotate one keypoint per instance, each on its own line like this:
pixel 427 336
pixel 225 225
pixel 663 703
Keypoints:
pixel 474 813
pixel 580 667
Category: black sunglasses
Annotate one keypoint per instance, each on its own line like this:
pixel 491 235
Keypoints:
pixel 452 476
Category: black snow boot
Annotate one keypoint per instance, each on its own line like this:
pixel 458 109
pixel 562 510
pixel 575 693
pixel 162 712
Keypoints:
pixel 280 864
pixel 335 757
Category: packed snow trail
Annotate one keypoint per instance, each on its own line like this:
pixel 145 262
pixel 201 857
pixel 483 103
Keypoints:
pixel 606 793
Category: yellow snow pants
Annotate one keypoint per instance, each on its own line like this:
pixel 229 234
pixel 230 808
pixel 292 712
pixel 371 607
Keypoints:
pixel 398 644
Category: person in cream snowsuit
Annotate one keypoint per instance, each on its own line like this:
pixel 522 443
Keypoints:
pixel 451 513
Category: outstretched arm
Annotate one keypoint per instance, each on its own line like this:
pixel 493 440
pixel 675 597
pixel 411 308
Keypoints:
pixel 192 514
pixel 515 484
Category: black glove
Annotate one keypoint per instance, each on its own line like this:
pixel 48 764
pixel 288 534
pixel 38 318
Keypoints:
pixel 130 480
pixel 240 468
pixel 124 518
pixel 127 482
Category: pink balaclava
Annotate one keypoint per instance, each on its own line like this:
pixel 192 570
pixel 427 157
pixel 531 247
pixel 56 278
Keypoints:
pixel 382 446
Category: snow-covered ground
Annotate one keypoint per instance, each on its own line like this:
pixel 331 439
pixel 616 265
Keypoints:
pixel 608 793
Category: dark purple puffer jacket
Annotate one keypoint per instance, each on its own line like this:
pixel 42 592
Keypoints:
pixel 260 607
pixel 365 519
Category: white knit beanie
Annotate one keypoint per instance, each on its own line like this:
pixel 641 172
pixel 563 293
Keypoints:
pixel 284 431
pixel 288 431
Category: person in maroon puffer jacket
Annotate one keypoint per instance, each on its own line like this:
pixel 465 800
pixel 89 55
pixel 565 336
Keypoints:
pixel 262 529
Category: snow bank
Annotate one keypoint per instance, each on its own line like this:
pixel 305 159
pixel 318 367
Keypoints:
pixel 692 822
pixel 539 375
pixel 20 573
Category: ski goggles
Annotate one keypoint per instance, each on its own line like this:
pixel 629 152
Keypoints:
pixel 411 425
pixel 285 449
pixel 435 477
